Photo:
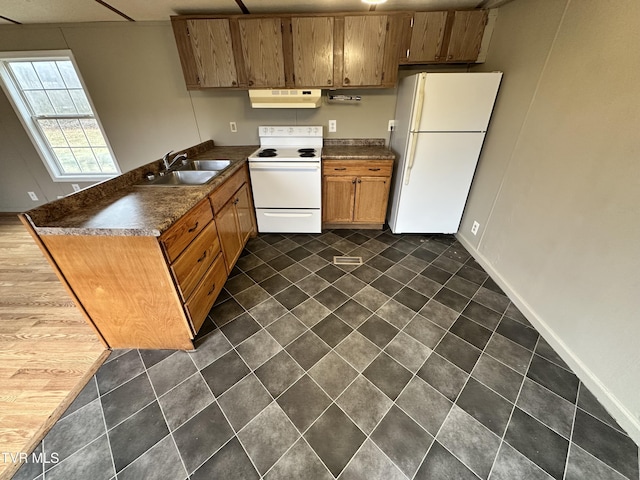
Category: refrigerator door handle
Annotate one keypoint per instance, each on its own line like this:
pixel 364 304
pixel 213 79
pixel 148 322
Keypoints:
pixel 413 140
pixel 417 116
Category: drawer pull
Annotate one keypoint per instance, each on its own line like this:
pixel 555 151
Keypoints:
pixel 204 255
pixel 194 228
pixel 374 169
pixel 213 287
pixel 343 168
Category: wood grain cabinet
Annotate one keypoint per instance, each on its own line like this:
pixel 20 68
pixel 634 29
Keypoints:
pixel 262 51
pixel 234 216
pixel 212 48
pixel 312 49
pixel 155 292
pixel 370 50
pixel 355 192
pixel 444 37
pixel 341 50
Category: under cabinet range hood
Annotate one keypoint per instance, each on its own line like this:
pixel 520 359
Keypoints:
pixel 290 98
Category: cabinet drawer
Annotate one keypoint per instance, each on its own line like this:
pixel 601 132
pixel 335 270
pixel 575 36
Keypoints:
pixel 357 168
pixel 191 265
pixel 206 292
pixel 182 233
pixel 222 194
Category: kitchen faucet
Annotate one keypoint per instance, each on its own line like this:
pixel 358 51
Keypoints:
pixel 168 165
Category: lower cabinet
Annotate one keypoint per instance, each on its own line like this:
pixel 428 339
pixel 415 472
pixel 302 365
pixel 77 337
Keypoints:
pixel 355 193
pixel 155 293
pixel 234 216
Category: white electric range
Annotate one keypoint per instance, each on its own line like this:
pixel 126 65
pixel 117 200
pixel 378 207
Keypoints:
pixel 286 179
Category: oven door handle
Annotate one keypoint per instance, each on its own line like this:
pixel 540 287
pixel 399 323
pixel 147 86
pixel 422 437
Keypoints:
pixel 283 166
pixel 287 215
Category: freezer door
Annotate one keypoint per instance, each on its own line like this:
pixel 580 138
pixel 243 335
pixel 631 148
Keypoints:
pixel 458 102
pixel 434 198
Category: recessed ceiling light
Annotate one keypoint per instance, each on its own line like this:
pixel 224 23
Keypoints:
pixel 373 2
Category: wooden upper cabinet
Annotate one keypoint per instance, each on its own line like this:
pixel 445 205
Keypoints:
pixel 261 43
pixel 312 51
pixel 466 35
pixel 427 37
pixel 363 53
pixel 213 52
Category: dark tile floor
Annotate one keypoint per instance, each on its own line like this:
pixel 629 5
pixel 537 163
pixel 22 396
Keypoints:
pixel 414 365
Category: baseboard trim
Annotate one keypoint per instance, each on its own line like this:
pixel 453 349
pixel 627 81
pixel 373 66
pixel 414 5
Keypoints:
pixel 611 403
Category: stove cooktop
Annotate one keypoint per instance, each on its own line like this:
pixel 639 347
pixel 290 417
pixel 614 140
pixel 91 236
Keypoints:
pixel 286 153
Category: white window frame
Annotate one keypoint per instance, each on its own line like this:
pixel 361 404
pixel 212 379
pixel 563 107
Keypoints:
pixel 17 100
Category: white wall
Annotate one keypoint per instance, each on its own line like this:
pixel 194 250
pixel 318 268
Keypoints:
pixel 133 75
pixel 558 186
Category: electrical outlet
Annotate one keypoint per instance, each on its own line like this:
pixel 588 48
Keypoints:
pixel 475 227
pixel 33 196
pixel 332 126
pixel 76 187
pixel 233 127
pixel 392 125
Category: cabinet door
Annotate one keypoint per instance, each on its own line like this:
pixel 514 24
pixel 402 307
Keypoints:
pixel 244 211
pixel 364 50
pixel 213 52
pixel 261 40
pixel 337 199
pixel 228 232
pixel 466 35
pixel 427 35
pixel 372 194
pixel 312 51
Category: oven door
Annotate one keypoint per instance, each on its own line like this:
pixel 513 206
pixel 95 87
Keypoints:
pixel 286 184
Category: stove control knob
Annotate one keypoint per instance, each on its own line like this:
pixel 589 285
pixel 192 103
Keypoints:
pixel 271 130
pixel 290 131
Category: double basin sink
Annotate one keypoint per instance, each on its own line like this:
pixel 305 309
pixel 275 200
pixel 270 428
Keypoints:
pixel 194 172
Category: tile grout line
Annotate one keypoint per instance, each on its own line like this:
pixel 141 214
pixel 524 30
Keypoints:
pixel 106 430
pixel 504 434
pixel 157 399
pixel 573 424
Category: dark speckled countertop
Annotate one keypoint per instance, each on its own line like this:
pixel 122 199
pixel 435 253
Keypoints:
pixel 356 149
pixel 121 206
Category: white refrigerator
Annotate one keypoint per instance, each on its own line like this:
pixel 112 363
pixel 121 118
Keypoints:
pixel 441 121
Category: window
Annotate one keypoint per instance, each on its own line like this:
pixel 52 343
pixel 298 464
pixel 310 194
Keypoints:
pixel 48 94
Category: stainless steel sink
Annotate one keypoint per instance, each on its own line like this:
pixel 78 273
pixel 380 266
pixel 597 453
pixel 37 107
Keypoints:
pixel 182 178
pixel 206 165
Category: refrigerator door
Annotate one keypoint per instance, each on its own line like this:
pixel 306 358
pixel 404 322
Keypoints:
pixel 458 102
pixel 434 198
pixel 401 141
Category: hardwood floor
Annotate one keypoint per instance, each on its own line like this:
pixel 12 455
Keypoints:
pixel 47 351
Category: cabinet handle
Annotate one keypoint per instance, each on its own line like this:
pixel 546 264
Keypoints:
pixel 233 82
pixel 346 81
pixel 213 287
pixel 250 82
pixel 359 181
pixel 235 202
pixel 328 82
pixel 194 228
pixel 204 255
pixel 343 168
pixel 449 57
pixel 374 169
pixel 353 181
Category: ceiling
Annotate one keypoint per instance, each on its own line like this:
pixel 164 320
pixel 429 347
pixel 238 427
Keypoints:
pixel 71 11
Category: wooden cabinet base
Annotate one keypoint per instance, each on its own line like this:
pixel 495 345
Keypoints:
pixel 125 286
